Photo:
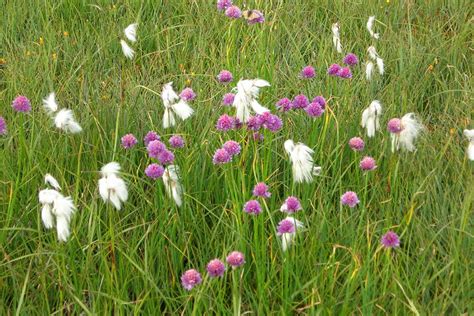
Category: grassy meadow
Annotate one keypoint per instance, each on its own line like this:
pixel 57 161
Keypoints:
pixel 131 261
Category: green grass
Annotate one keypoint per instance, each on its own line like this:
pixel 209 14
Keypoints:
pixel 336 266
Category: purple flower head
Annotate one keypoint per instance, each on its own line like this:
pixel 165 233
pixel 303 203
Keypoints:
pixel 252 207
pixel 259 18
pixel 395 126
pixel 357 143
pixel 300 101
pixel 314 109
pixel 232 147
pixel 308 72
pixel 150 136
pixel 258 137
pixel 286 226
pixel 233 12
pixel 237 123
pixel 3 126
pixel 351 60
pixel 390 240
pixel 333 70
pixel 128 141
pixel 187 94
pixel 284 104
pixel 225 123
pixel 345 73
pixel 190 279
pixel 291 205
pixel 261 190
pixel 223 4
pixel 154 171
pixel 350 199
pixel 225 76
pixel 235 259
pixel 320 100
pixel 228 99
pixel 21 104
pixel 176 141
pixel 166 157
pixel 269 121
pixel 215 268
pixel 367 163
pixel 221 156
pixel 154 148
pixel 253 123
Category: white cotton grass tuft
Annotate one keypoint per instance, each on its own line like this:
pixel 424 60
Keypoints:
pixel 64 118
pixel 246 98
pixel 174 106
pixel 371 118
pixel 336 40
pixel 50 104
pixel 172 185
pixel 411 129
pixel 131 32
pixel 49 179
pixel 127 50
pixel 288 234
pixel 112 188
pixel 469 133
pixel 370 27
pixel 302 161
pixel 369 68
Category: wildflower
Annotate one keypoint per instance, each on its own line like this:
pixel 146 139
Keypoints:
pixel 225 76
pixel 149 137
pixel 336 40
pixel 370 66
pixel 3 126
pixel 131 32
pixel 21 104
pixel 252 207
pixel 221 156
pixel 469 133
pixel 350 199
pixel 369 69
pixel 190 279
pixel 111 187
pixel 223 4
pixel 357 143
pixel 345 73
pixel 370 27
pixel 300 101
pixel 390 240
pixel 258 137
pixel 333 70
pixel 404 132
pixel 172 185
pixel 154 171
pixel 128 141
pixel 225 123
pixel 176 141
pixel 291 205
pixel 233 12
pixel 287 229
pixel 351 59
pixel 371 118
pixel 253 16
pixel 215 268
pixel 246 98
pixel 320 100
pixel 367 163
pixel 269 121
pixel 232 147
pixel 253 123
pixel 166 157
pixel 173 105
pixel 308 72
pixel 261 190
pixel 127 50
pixel 187 94
pixel 235 259
pixel 154 148
pixel 302 161
pixel 284 104
pixel 63 119
pixel 314 110
pixel 228 99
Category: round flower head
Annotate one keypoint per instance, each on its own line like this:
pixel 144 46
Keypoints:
pixel 154 171
pixel 225 123
pixel 221 156
pixel 237 123
pixel 300 101
pixel 233 12
pixel 176 141
pixel 395 126
pixel 357 143
pixel 286 226
pixel 228 99
pixel 3 126
pixel 350 199
pixel 367 163
pixel 235 259
pixel 215 268
pixel 351 60
pixel 187 94
pixel 149 137
pixel 333 70
pixel 259 18
pixel 166 157
pixel 21 104
pixel 345 73
pixel 291 205
pixel 232 147
pixel 154 148
pixel 223 4
pixel 269 121
pixel 190 279
pixel 128 141
pixel 253 123
pixel 225 76
pixel 284 104
pixel 252 207
pixel 308 72
pixel 261 189
pixel 258 137
pixel 314 110
pixel 390 240
pixel 320 100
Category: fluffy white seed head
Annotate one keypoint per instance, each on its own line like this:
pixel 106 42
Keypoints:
pixel 127 50
pixel 131 32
